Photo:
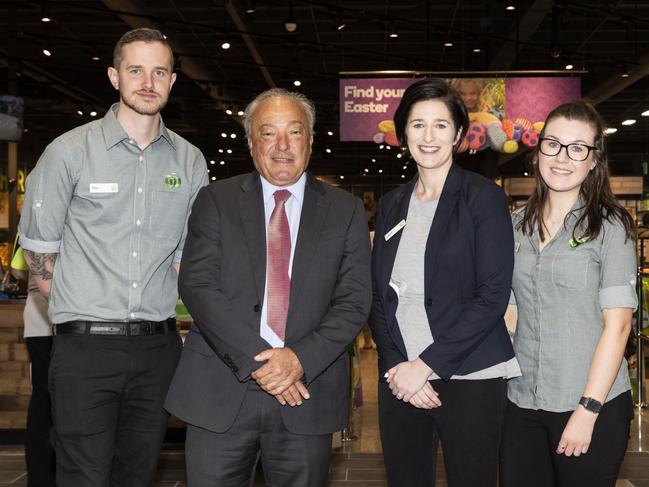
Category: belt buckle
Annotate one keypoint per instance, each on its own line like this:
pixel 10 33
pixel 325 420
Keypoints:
pixel 145 328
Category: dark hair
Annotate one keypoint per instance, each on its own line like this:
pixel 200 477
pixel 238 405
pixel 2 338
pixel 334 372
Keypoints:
pixel 142 34
pixel 430 89
pixel 595 191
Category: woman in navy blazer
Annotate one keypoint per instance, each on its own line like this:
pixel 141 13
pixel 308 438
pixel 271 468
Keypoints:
pixel 442 268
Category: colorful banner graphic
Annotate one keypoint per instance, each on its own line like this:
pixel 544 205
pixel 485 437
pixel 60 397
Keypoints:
pixel 504 113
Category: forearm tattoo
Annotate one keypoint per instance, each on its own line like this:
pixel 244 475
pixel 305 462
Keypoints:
pixel 41 265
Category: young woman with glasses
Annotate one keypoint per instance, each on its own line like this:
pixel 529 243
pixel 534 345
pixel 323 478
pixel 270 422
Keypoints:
pixel 568 415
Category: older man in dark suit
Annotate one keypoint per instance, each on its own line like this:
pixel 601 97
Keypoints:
pixel 276 276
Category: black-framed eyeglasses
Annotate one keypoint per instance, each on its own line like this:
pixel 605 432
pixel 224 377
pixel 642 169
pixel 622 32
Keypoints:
pixel 576 151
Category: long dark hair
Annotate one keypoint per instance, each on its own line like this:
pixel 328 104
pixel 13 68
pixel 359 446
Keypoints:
pixel 595 190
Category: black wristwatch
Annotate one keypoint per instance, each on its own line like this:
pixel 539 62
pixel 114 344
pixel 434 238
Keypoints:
pixel 590 404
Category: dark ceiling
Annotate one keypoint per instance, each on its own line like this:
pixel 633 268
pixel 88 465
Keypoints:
pixel 604 39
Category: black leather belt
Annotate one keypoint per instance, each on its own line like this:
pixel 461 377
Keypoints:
pixel 123 328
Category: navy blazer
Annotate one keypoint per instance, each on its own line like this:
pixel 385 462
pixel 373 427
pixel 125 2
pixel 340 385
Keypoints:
pixel 468 270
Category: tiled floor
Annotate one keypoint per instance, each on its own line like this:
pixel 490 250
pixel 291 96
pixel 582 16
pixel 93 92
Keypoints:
pixel 356 463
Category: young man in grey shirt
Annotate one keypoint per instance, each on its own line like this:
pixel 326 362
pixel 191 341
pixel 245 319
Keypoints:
pixel 103 228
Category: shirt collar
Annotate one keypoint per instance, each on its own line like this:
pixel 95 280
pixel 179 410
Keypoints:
pixel 114 132
pixel 296 189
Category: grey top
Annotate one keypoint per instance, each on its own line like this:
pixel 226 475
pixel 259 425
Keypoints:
pixel 407 280
pixel 560 293
pixel 116 215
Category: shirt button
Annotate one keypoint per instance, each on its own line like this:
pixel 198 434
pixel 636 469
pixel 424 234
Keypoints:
pixel 134 285
pixel 38 205
pixel 141 158
pixel 131 141
pixel 134 254
pixel 138 222
pixel 132 315
pixel 139 190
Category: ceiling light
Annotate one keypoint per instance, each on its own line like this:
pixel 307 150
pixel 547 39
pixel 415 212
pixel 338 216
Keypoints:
pixel 224 135
pixel 366 170
pixel 569 67
pixel 228 111
pixel 233 135
pixel 403 176
pixel 525 173
pixel 95 58
pixel 342 177
pixel 392 33
pixel 222 163
pixel 373 160
pixel 628 122
pixel 328 150
pixel 229 151
pixel 645 113
pixel 330 132
pixel 47 53
pixel 225 46
pixel 212 162
pixel 405 167
pixel 448 44
pixel 80 113
pixel 251 7
pixel 240 113
pixel 93 113
pixel 625 74
pixel 381 146
pixel 477 50
pixel 380 171
pixel 510 7
pixel 213 178
pixel 399 155
pixel 388 147
pixel 341 25
pixel 610 130
pixel 220 151
pixel 297 82
pixel 291 24
pixel 45 13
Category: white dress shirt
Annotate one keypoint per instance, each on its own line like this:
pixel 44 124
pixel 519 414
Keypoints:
pixel 293 208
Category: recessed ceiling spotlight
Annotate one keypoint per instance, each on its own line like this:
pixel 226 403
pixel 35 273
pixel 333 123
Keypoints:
pixel 477 50
pixel 399 155
pixel 388 147
pixel 93 113
pixel 95 58
pixel 297 82
pixel 222 163
pixel 224 135
pixel 342 177
pixel 213 178
pixel 525 173
pixel 610 130
pixel 330 132
pixel 228 111
pixel 212 162
pixel 510 7
pixel 569 67
pixel 328 150
pixel 392 33
pixel 80 113
pixel 628 122
pixel 229 151
pixel 403 176
pixel 645 113
pixel 47 53
pixel 233 135
pixel 366 170
pixel 220 151
pixel 380 171
pixel 381 146
pixel 341 25
pixel 405 167
pixel 448 44
pixel 225 46
pixel 373 160
pixel 240 113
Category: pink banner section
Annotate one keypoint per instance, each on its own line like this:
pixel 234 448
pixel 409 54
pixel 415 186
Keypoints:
pixel 504 113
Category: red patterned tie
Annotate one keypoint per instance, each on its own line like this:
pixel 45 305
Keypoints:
pixel 279 255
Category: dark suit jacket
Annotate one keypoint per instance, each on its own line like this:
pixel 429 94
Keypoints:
pixel 222 278
pixel 468 270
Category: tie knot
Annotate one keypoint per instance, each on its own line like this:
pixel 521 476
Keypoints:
pixel 281 195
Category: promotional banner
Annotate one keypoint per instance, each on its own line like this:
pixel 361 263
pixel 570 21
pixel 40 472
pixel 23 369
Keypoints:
pixel 503 112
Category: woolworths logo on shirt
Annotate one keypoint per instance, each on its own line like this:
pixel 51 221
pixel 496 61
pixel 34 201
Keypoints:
pixel 172 181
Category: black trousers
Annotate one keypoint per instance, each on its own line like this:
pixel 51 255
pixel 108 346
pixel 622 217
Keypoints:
pixel 531 437
pixel 39 454
pixel 228 459
pixel 468 424
pixel 107 394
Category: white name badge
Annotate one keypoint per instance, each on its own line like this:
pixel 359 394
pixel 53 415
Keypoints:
pixel 395 229
pixel 103 187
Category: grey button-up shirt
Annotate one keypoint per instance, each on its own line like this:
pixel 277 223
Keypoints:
pixel 560 293
pixel 116 215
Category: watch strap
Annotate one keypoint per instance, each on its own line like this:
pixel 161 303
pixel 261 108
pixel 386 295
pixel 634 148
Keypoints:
pixel 590 404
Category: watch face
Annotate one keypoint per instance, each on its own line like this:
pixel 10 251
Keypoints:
pixel 591 404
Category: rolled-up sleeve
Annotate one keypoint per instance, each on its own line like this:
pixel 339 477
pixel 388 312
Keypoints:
pixel 618 269
pixel 48 191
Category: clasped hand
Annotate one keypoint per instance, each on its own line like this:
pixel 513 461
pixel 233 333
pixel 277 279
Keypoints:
pixel 408 381
pixel 280 376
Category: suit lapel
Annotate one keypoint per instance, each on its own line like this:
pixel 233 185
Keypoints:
pixel 314 213
pixel 443 214
pixel 251 210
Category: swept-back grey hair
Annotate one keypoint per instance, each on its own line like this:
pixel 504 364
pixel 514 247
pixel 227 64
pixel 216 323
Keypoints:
pixel 299 98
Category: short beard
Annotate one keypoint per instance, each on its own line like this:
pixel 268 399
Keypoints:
pixel 144 108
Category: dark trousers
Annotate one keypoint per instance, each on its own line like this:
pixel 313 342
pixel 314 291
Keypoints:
pixel 530 441
pixel 39 454
pixel 107 394
pixel 258 434
pixel 468 424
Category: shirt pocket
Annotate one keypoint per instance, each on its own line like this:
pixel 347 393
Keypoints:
pixel 169 209
pixel 570 269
